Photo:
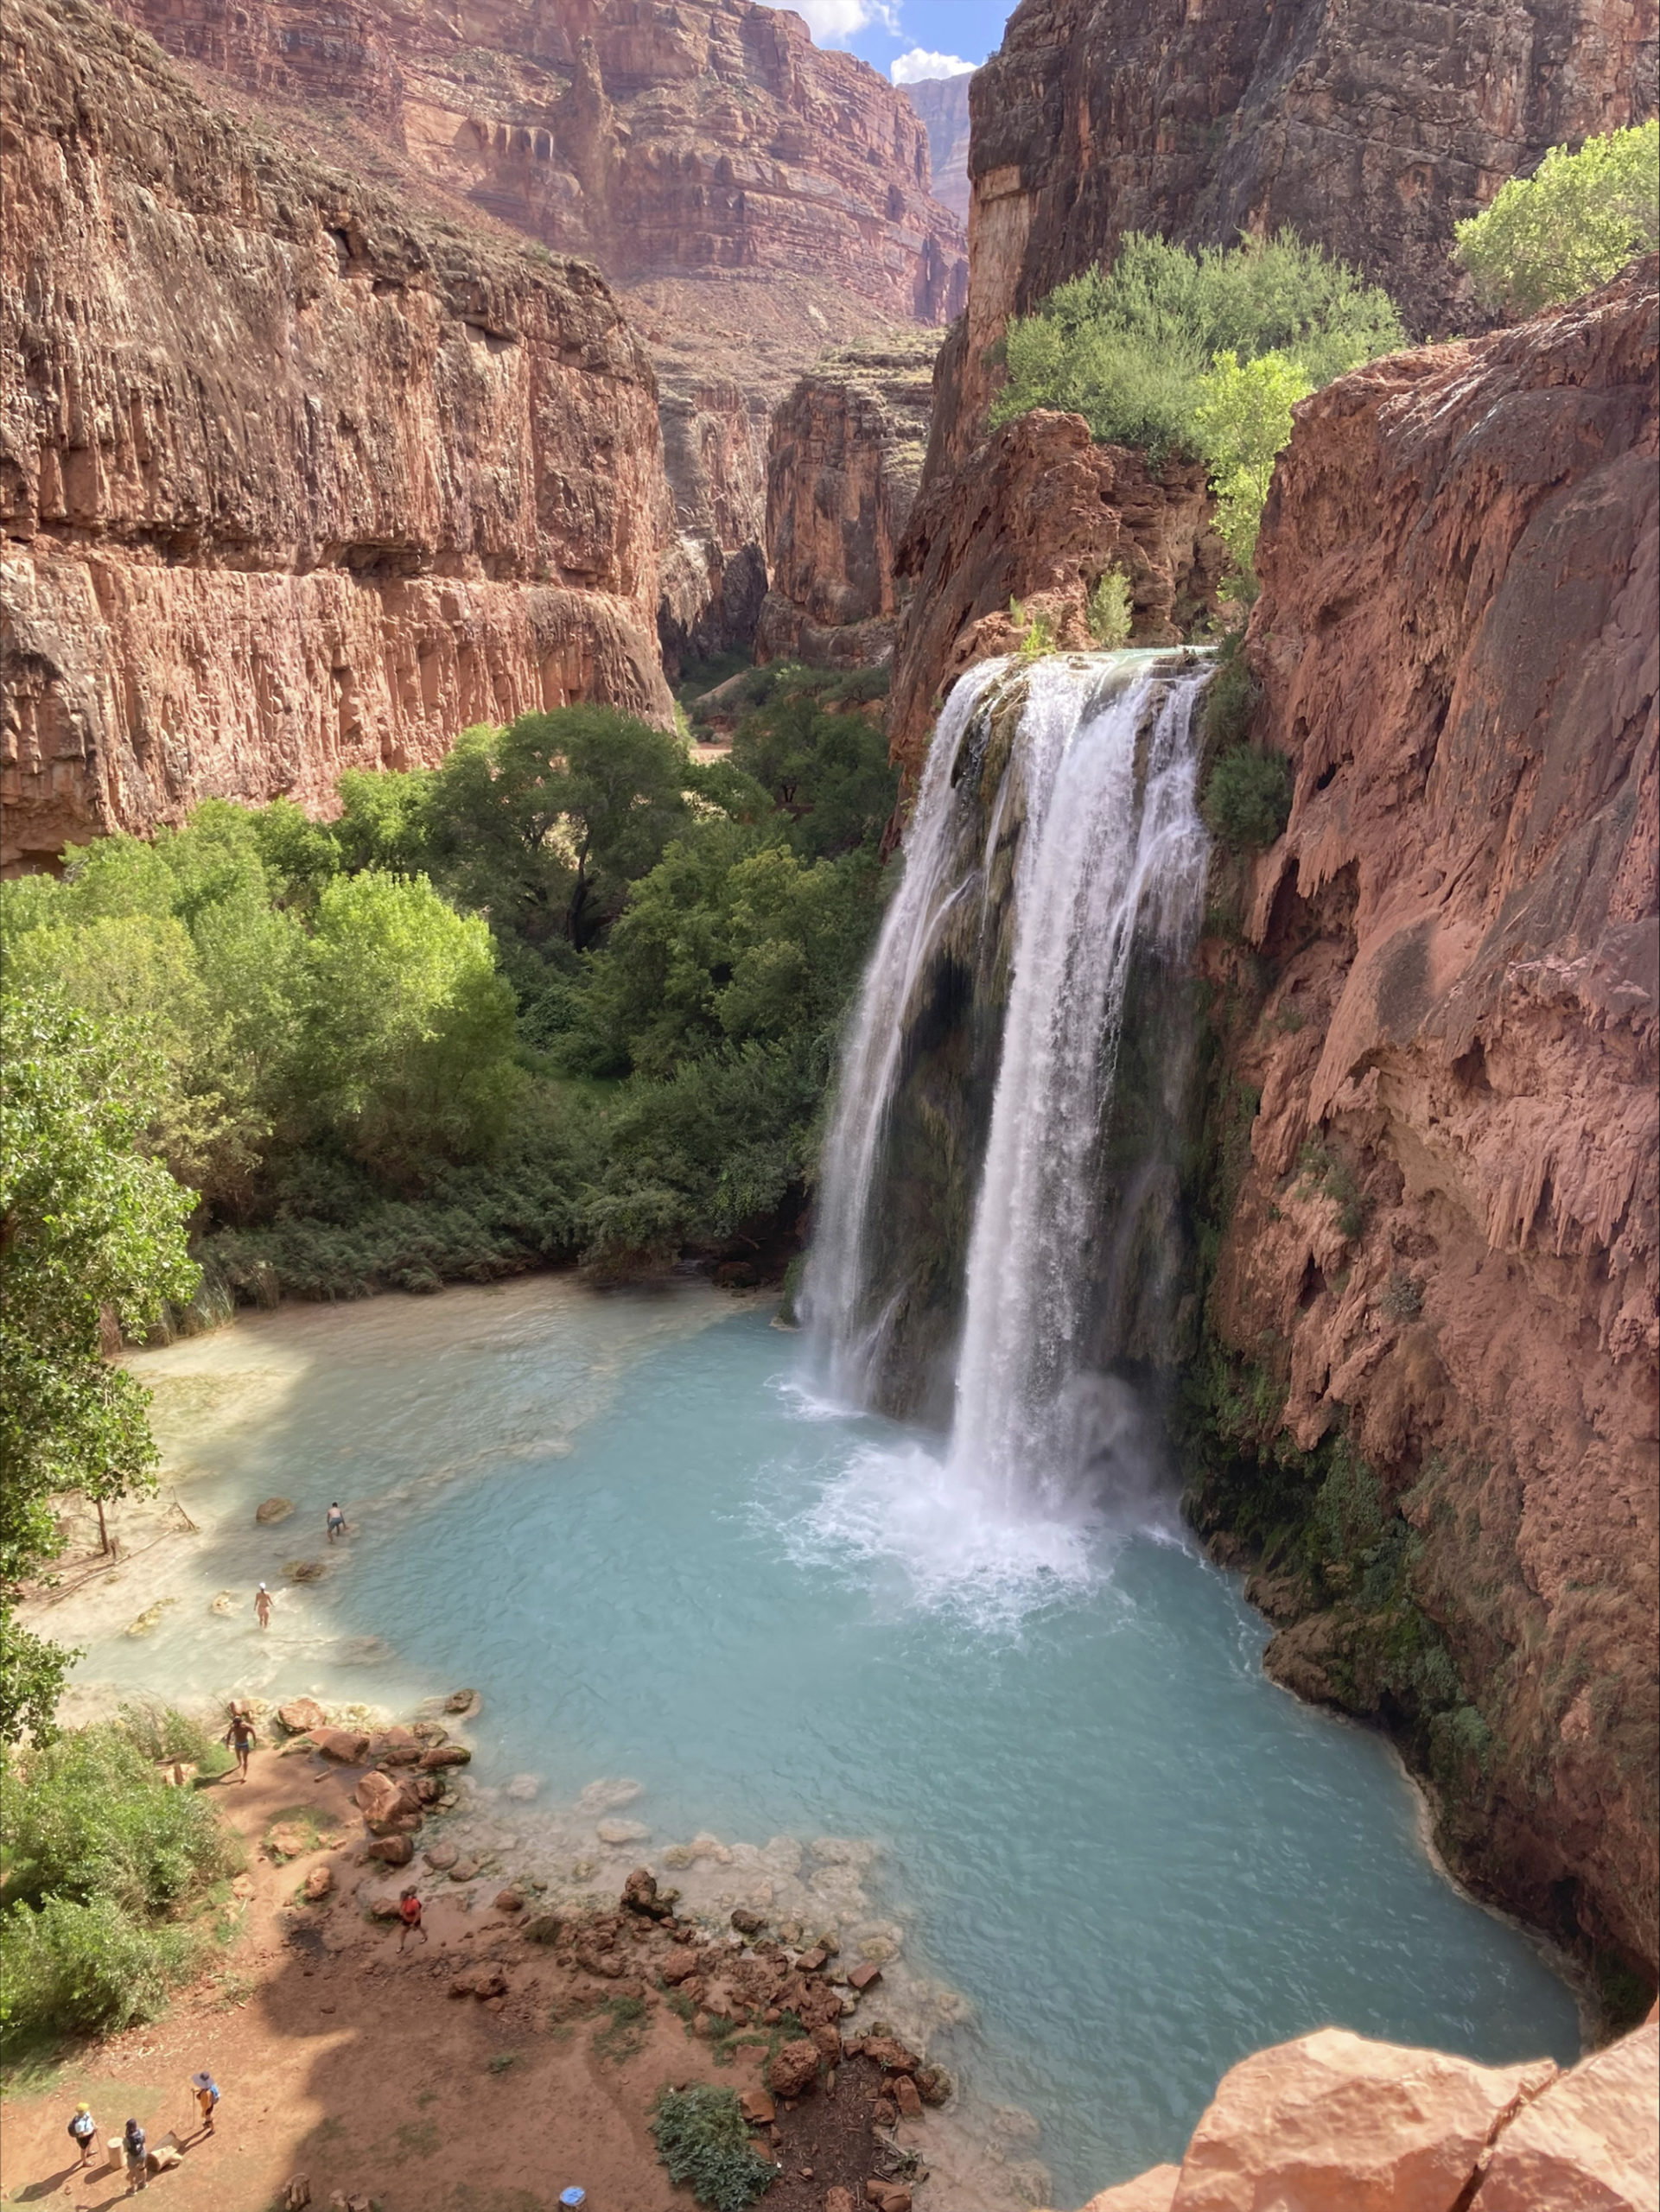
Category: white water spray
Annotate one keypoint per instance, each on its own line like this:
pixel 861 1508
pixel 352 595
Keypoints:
pixel 1109 869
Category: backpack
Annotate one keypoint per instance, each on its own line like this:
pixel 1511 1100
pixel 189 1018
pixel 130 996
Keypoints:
pixel 83 2126
pixel 134 2141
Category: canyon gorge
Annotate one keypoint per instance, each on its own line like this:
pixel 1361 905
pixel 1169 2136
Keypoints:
pixel 1225 1264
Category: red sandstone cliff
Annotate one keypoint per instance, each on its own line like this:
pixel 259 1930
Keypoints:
pixel 1039 513
pixel 291 483
pixel 1369 129
pixel 1457 642
pixel 844 456
pixel 943 103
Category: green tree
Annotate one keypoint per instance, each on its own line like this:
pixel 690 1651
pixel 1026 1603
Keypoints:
pixel 1574 224
pixel 88 1225
pixel 826 771
pixel 543 824
pixel 1243 421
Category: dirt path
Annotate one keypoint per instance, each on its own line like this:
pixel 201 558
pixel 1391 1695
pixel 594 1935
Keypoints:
pixel 340 2059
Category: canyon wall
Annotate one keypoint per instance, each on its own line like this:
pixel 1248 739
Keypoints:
pixel 290 482
pixel 1038 515
pixel 1369 130
pixel 1435 1299
pixel 943 103
pixel 843 460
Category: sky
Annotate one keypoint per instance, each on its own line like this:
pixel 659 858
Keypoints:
pixel 909 39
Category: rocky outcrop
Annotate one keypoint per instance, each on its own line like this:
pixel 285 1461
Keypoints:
pixel 1440 1263
pixel 1370 130
pixel 1038 514
pixel 659 142
pixel 843 462
pixel 943 103
pixel 1333 2123
pixel 291 483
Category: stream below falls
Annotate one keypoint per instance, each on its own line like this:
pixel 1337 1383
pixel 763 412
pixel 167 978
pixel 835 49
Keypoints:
pixel 1038 1767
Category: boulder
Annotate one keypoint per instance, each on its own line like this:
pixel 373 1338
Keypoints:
pixel 318 1883
pixel 305 1570
pixel 445 1755
pixel 272 1509
pixel 392 1850
pixel 793 2068
pixel 384 1907
pixel 381 1800
pixel 483 1982
pixel 1152 2191
pixel 639 1894
pixel 827 2038
pixel 1335 2123
pixel 757 2107
pixel 349 1746
pixel 545 1928
pixel 747 1923
pixel 297 2195
pixel 396 1747
pixel 509 1900
pixel 1590 2143
pixel 862 1976
pixel 906 2097
pixel 288 1840
pixel 891 2055
pixel 933 2085
pixel 810 1961
pixel 680 1965
pixel 465 1870
pixel 300 1716
pixel 467 1703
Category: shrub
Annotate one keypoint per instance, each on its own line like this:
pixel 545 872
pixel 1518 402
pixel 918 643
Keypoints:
pixel 1574 224
pixel 1242 422
pixel 703 2140
pixel 72 1968
pixel 1037 638
pixel 1247 801
pixel 1111 610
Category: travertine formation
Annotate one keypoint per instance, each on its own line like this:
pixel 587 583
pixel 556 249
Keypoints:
pixel 1371 130
pixel 1447 1240
pixel 843 461
pixel 943 103
pixel 1038 515
pixel 1334 2123
pixel 291 483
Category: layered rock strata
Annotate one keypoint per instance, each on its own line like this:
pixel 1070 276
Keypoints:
pixel 1036 517
pixel 1370 130
pixel 1442 1244
pixel 943 103
pixel 1334 2123
pixel 714 569
pixel 843 460
pixel 291 483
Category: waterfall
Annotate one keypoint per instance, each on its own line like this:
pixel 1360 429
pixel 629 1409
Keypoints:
pixel 1059 863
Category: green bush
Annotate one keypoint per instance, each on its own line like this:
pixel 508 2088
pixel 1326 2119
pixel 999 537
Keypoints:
pixel 1574 224
pixel 83 1969
pixel 703 2140
pixel 1201 353
pixel 1231 696
pixel 1247 800
pixel 1111 610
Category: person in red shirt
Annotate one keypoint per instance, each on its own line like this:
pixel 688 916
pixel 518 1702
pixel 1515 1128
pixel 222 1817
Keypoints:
pixel 408 1911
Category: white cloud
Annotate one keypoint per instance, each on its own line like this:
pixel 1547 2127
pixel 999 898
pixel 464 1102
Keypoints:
pixel 834 19
pixel 918 65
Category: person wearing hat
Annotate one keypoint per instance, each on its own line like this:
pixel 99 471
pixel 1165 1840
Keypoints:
pixel 83 2129
pixel 206 2089
pixel 261 1606
pixel 133 2142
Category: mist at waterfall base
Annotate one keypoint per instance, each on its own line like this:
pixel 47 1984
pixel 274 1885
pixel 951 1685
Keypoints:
pixel 1113 1857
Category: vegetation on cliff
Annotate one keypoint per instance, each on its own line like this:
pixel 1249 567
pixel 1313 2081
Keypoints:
pixel 1201 353
pixel 1571 226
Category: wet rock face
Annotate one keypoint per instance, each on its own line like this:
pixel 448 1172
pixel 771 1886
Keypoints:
pixel 1371 130
pixel 291 483
pixel 844 457
pixel 1039 513
pixel 660 142
pixel 1446 1231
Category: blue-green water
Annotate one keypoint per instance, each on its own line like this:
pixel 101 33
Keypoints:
pixel 1135 1857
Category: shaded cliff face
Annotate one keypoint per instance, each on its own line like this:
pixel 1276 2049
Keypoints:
pixel 714 570
pixel 290 484
pixel 1371 130
pixel 844 457
pixel 1444 1240
pixel 1039 513
pixel 943 103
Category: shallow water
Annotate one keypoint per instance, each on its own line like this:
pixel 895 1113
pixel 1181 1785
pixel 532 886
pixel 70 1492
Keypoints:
pixel 1094 1818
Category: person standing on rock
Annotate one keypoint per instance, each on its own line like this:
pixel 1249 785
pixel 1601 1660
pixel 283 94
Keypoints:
pixel 240 1738
pixel 408 1911
pixel 336 1521
pixel 83 2131
pixel 261 1606
pixel 132 2138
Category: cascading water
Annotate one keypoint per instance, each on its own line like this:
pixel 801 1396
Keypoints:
pixel 1053 878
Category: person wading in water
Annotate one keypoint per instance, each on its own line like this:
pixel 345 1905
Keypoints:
pixel 261 1606
pixel 336 1522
